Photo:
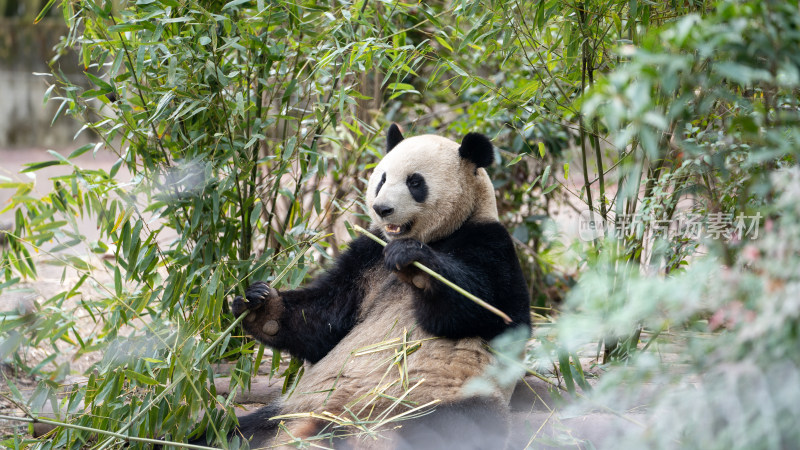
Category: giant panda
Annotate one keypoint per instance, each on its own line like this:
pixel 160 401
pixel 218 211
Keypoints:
pixel 385 340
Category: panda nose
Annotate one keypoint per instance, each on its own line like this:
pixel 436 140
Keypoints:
pixel 383 210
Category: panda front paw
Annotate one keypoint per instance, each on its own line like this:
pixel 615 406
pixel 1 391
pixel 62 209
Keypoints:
pixel 265 308
pixel 255 296
pixel 401 253
pixel 399 257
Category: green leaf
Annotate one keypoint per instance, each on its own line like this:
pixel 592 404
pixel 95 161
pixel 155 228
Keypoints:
pixel 9 282
pixel 105 87
pixel 59 157
pixel 400 86
pixel 162 104
pixel 115 167
pixel 44 11
pixel 233 3
pixel 32 167
pixel 287 94
pixel 276 363
pixel 93 93
pixel 443 42
pixel 10 343
pixel 566 371
pixel 127 27
pixel 117 282
pixel 539 19
pixel 457 69
pixel 617 22
pixel 579 375
pixel 61 108
pixel 83 149
pixel 140 378
pixel 259 355
pixel 516 159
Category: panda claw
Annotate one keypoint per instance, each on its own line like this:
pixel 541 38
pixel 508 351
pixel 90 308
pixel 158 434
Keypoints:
pixel 399 257
pixel 255 297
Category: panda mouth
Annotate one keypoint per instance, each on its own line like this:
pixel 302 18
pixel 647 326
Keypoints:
pixel 396 230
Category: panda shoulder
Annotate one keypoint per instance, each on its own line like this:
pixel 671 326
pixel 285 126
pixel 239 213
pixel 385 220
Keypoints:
pixel 492 234
pixel 362 252
pixel 364 247
pixel 351 265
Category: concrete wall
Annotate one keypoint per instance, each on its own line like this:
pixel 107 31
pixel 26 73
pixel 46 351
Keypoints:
pixel 26 48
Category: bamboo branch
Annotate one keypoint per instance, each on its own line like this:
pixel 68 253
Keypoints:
pixel 205 354
pixel 170 387
pixel 34 419
pixel 444 280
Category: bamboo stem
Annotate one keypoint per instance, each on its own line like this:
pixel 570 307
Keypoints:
pixel 33 419
pixel 444 280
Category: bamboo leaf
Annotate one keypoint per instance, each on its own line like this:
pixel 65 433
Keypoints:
pixel 44 11
pixel 32 167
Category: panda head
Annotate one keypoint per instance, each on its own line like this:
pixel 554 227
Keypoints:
pixel 427 187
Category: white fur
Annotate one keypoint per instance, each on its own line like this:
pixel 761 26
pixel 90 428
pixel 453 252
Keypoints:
pixel 456 192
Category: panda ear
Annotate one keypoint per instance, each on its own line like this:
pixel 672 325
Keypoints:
pixel 477 148
pixel 393 137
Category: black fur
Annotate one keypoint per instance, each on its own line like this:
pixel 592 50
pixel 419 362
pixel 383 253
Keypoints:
pixel 393 137
pixel 314 319
pixel 477 148
pixel 380 184
pixel 417 187
pixel 257 423
pixel 477 257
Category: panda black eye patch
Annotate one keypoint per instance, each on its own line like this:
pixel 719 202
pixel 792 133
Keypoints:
pixel 380 184
pixel 417 187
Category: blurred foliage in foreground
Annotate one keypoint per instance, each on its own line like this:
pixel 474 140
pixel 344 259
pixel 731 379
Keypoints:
pixel 713 102
pixel 244 131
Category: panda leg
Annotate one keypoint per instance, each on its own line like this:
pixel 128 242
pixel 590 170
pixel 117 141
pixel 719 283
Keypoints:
pixel 475 423
pixel 255 427
pixel 262 431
